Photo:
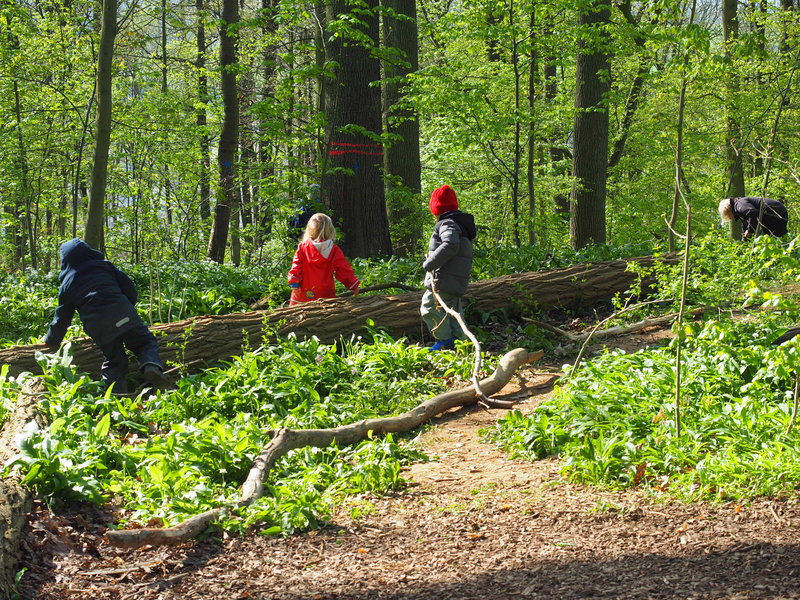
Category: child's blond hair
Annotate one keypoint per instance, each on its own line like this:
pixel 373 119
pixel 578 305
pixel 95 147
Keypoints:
pixel 320 228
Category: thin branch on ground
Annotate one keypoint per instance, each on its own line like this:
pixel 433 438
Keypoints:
pixel 606 320
pixel 611 331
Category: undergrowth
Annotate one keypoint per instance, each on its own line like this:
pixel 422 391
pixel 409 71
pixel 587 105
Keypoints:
pixel 174 455
pixel 613 423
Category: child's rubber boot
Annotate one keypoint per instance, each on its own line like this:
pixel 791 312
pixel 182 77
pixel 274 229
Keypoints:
pixel 449 344
pixel 156 377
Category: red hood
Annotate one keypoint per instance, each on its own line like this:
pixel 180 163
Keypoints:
pixel 315 251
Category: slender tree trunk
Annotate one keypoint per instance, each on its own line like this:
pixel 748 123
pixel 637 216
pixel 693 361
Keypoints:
pixel 733 150
pixel 78 187
pixel 532 137
pixel 556 153
pixel 590 155
pixel 93 231
pixel 635 92
pixel 357 201
pixel 517 125
pixel 229 137
pixel 25 190
pixel 204 187
pixel 401 158
pixel 789 19
pixel 164 88
pixel 673 221
pixel 266 169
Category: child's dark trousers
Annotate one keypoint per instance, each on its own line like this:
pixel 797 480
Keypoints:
pixel 139 340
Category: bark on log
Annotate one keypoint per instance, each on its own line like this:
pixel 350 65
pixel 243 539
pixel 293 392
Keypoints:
pixel 15 500
pixel 211 338
pixel 286 440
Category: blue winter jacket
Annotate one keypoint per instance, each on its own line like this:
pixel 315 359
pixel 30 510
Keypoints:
pixel 103 295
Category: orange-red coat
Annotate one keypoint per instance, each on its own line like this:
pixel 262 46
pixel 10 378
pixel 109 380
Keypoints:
pixel 314 266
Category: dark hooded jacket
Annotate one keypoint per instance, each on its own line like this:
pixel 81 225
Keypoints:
pixel 773 221
pixel 103 295
pixel 449 260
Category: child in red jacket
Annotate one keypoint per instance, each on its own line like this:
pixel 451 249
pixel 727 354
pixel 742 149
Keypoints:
pixel 317 261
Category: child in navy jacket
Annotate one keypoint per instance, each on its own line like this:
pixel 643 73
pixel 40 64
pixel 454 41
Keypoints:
pixel 104 297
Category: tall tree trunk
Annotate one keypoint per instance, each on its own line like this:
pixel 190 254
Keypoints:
pixel 25 191
pixel 229 137
pixel 532 136
pixel 204 187
pixel 789 19
pixel 357 201
pixel 517 125
pixel 401 158
pixel 164 88
pixel 93 231
pixel 79 186
pixel 247 167
pixel 266 169
pixel 557 153
pixel 673 221
pixel 590 155
pixel 733 150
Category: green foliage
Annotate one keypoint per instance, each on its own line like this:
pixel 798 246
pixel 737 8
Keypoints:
pixel 181 289
pixel 9 386
pixel 184 451
pixel 613 423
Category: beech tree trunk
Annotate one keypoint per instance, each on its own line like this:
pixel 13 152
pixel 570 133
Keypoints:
pixel 590 133
pixel 229 136
pixel 401 158
pixel 357 200
pixel 733 133
pixel 93 231
pixel 218 337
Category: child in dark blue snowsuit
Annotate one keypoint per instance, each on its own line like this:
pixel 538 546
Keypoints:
pixel 104 297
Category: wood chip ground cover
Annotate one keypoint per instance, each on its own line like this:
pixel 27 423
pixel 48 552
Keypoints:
pixel 472 524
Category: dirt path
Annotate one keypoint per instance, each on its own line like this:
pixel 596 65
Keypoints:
pixel 472 524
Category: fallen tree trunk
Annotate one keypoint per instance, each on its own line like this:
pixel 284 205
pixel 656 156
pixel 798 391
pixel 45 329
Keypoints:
pixel 15 500
pixel 197 340
pixel 285 440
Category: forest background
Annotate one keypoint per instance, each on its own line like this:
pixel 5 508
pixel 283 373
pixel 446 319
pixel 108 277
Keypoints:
pixel 555 122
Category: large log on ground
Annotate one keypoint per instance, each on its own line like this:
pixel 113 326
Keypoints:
pixel 15 499
pixel 198 340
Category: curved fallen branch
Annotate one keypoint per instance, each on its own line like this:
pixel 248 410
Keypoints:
pixel 484 400
pixel 285 440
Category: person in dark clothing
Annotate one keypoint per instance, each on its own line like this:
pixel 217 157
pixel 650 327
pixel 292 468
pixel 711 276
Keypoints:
pixel 774 217
pixel 104 297
pixel 299 220
pixel 448 266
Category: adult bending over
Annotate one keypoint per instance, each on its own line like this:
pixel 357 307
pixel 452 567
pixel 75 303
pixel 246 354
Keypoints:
pixel 773 220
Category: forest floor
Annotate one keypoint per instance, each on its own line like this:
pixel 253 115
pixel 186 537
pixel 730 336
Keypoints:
pixel 470 524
